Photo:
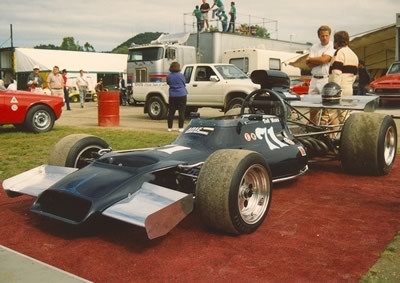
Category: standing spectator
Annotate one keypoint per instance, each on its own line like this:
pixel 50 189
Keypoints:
pixel 66 89
pixel 55 82
pixel 99 86
pixel 232 14
pixel 35 81
pixel 319 61
pixel 343 70
pixel 204 8
pixel 122 91
pixel 224 21
pixel 82 85
pixel 220 7
pixel 177 95
pixel 197 14
pixel 12 85
pixel 364 78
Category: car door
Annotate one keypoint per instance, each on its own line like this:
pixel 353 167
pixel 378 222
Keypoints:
pixel 201 90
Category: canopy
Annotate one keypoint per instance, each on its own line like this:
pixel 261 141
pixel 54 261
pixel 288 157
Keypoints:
pixel 376 48
pixel 73 61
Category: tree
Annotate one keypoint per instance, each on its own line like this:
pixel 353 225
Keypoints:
pixel 47 46
pixel 68 43
pixel 141 38
pixel 256 30
pixel 88 47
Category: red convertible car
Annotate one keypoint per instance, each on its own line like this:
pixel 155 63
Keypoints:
pixel 300 86
pixel 25 110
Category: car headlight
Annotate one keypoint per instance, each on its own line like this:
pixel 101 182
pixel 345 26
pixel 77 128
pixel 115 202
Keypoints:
pixel 369 89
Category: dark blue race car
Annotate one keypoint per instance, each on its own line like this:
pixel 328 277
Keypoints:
pixel 225 165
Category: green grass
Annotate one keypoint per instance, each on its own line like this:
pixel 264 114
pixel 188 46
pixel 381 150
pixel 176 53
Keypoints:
pixel 21 151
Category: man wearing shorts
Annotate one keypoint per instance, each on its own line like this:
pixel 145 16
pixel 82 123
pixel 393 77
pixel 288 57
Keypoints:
pixel 204 8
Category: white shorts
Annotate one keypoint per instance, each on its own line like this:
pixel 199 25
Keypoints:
pixel 204 16
pixel 316 85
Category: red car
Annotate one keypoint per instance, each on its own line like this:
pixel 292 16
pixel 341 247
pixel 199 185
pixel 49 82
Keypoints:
pixel 300 86
pixel 33 112
pixel 388 86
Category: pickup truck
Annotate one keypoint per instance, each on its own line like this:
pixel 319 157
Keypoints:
pixel 222 86
pixel 388 86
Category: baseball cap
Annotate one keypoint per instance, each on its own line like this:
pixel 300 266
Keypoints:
pixel 36 67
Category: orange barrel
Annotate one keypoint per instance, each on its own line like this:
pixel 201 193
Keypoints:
pixel 108 108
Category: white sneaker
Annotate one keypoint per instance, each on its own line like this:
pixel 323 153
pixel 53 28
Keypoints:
pixel 181 130
pixel 169 130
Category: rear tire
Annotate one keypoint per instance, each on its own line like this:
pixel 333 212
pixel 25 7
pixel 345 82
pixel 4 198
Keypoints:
pixel 234 198
pixel 368 144
pixel 156 108
pixel 76 150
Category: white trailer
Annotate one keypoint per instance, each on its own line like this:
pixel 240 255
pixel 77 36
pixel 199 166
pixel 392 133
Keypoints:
pixel 250 59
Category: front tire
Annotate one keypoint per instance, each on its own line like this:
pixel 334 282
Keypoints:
pixel 235 103
pixel 39 119
pixel 76 150
pixel 234 198
pixel 368 144
pixel 157 108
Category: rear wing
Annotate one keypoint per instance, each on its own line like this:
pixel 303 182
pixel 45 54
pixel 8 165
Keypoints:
pixel 366 103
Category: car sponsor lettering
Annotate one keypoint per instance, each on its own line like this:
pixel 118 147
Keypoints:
pixel 302 151
pixel 200 130
pixel 270 120
pixel 270 138
pixel 14 107
pixel 14 100
pixel 247 137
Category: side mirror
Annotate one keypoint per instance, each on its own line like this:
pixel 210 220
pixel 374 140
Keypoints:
pixel 214 78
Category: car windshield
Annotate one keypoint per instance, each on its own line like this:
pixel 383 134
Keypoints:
pixel 295 82
pixel 394 68
pixel 145 54
pixel 229 72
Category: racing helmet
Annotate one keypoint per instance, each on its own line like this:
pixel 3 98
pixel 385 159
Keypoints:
pixel 331 94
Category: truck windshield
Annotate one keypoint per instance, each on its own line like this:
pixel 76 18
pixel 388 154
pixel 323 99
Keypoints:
pixel 394 68
pixel 229 72
pixel 145 54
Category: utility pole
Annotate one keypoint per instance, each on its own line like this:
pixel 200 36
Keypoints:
pixel 11 36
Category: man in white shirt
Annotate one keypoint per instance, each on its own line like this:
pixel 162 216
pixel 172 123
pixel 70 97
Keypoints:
pixel 82 84
pixel 319 60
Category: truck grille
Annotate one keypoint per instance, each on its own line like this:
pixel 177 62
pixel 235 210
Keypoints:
pixel 63 205
pixel 387 91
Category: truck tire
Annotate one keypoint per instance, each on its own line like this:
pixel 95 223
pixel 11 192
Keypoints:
pixel 76 150
pixel 235 103
pixel 368 144
pixel 234 198
pixel 157 109
pixel 39 119
pixel 190 109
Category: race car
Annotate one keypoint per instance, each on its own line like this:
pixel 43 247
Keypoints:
pixel 225 166
pixel 25 110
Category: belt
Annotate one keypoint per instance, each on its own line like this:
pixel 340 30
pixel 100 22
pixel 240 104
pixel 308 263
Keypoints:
pixel 57 88
pixel 319 77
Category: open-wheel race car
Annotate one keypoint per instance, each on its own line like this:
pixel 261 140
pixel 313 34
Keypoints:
pixel 226 165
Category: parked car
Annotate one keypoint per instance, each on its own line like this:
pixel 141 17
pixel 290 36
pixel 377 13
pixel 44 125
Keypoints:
pixel 226 164
pixel 300 86
pixel 74 95
pixel 33 112
pixel 388 86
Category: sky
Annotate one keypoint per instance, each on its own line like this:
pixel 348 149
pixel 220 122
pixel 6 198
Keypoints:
pixel 106 24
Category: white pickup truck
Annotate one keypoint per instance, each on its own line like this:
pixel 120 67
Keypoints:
pixel 222 86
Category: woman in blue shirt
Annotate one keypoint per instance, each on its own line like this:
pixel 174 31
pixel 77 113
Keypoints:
pixel 177 95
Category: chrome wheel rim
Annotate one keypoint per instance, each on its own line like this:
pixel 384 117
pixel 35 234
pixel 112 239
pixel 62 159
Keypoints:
pixel 254 194
pixel 155 108
pixel 41 120
pixel 85 156
pixel 389 150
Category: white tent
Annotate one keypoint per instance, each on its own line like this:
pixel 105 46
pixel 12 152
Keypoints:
pixel 73 61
